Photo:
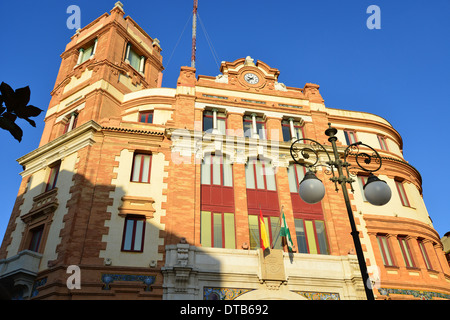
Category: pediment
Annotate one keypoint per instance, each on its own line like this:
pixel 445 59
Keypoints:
pixel 247 73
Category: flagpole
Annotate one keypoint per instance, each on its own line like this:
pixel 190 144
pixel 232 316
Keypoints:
pixel 280 228
pixel 194 34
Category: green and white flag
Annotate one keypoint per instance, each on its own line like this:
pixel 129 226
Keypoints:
pixel 284 232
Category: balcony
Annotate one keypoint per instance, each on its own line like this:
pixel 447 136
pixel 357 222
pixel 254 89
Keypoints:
pixel 18 273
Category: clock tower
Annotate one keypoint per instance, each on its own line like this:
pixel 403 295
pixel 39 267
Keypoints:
pixel 108 58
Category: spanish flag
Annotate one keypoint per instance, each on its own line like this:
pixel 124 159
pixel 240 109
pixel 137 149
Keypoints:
pixel 264 237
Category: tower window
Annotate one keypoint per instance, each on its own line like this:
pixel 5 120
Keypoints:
pixel 86 53
pixel 71 122
pixel 134 59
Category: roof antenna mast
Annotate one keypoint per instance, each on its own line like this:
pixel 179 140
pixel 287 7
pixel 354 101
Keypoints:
pixel 194 33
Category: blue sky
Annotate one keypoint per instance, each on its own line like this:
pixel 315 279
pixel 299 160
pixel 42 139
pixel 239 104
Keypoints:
pixel 400 72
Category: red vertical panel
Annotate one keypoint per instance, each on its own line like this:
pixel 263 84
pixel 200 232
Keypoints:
pixel 206 194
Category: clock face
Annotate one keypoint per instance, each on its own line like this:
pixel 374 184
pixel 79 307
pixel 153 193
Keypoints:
pixel 251 78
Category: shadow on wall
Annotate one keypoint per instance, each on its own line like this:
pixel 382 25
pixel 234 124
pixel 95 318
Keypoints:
pixel 117 245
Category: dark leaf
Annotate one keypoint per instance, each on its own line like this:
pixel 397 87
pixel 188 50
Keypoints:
pixel 13 128
pixel 10 116
pixel 22 96
pixel 31 122
pixel 8 96
pixel 2 109
pixel 24 112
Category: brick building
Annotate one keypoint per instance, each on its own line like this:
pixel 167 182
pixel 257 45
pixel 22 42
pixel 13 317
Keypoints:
pixel 155 193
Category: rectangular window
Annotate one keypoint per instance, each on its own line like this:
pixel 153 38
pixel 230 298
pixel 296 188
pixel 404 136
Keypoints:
pixel 261 129
pixel 350 137
pixel 362 180
pixel 134 59
pixel 253 226
pixel 385 250
pixel 424 254
pixel 296 173
pixel 383 143
pixel 36 237
pixel 301 236
pixel 146 117
pixel 53 177
pixel 273 228
pixel 86 54
pixel 249 129
pixel 311 236
pixel 141 168
pixel 208 121
pixel 219 168
pixel 286 130
pixel 133 234
pixel 261 174
pixel 71 122
pixel 321 237
pixel 217 230
pixel 406 253
pixel 402 193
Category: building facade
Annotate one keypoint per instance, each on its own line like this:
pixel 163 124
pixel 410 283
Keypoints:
pixel 143 192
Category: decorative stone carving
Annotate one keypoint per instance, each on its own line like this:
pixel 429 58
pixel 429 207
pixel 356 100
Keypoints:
pixel 138 206
pixel 280 86
pixel 222 78
pixel 271 263
pixel 249 61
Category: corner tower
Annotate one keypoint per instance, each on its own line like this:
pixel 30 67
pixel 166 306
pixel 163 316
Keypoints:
pixel 108 58
pixel 92 194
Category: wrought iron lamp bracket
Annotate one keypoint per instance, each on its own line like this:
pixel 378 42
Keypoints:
pixel 306 152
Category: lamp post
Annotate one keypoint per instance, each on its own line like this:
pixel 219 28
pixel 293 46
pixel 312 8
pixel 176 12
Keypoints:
pixel 306 152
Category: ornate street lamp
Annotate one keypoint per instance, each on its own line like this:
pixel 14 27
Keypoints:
pixel 306 152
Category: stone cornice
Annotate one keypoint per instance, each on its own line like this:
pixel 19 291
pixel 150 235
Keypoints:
pixel 59 148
